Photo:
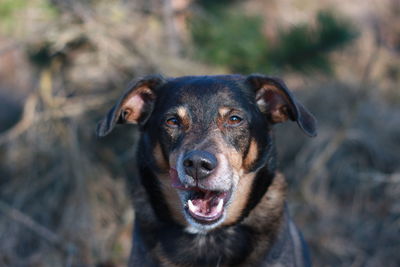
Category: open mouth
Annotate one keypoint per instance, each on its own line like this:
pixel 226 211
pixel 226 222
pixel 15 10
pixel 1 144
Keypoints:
pixel 206 206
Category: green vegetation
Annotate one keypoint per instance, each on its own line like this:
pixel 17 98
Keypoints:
pixel 8 8
pixel 13 15
pixel 228 38
pixel 304 48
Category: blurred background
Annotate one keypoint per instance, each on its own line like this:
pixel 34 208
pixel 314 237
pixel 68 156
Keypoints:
pixel 64 193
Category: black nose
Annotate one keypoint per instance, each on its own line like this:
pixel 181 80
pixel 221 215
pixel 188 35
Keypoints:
pixel 199 164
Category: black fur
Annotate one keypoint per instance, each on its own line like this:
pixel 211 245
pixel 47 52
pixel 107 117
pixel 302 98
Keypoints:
pixel 237 244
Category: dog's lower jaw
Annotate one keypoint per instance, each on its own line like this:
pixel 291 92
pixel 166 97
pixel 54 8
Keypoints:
pixel 244 243
pixel 202 227
pixel 244 240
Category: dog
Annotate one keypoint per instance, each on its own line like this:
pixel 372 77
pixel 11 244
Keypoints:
pixel 208 192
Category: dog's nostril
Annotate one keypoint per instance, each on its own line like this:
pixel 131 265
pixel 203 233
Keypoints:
pixel 188 163
pixel 207 166
pixel 199 164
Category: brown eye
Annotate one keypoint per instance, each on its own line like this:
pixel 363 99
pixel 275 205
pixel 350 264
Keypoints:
pixel 172 122
pixel 234 120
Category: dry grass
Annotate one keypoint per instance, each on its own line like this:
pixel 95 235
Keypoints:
pixel 65 199
pixel 349 178
pixel 64 194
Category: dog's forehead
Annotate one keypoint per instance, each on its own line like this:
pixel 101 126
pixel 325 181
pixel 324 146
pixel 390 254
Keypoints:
pixel 209 92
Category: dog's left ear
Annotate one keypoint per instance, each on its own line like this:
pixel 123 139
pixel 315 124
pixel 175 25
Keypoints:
pixel 278 103
pixel 134 106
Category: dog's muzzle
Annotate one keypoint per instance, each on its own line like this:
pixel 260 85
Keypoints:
pixel 198 182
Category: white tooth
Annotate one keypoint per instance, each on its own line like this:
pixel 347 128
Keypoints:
pixel 219 207
pixel 191 206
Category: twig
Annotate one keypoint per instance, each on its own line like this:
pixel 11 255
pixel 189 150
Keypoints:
pixel 28 222
pixel 66 247
pixel 28 117
pixel 70 108
pixel 319 165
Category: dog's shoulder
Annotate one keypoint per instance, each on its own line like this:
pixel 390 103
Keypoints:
pixel 289 248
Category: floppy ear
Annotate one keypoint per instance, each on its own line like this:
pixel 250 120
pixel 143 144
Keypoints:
pixel 134 106
pixel 278 103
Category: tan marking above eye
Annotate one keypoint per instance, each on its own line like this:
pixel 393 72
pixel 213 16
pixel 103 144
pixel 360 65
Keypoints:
pixel 229 117
pixel 181 118
pixel 182 112
pixel 223 111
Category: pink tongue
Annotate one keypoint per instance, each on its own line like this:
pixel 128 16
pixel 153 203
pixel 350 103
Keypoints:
pixel 204 204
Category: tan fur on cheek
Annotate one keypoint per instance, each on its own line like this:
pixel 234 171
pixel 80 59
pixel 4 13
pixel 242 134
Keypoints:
pixel 234 158
pixel 243 187
pixel 239 199
pixel 251 155
pixel 244 181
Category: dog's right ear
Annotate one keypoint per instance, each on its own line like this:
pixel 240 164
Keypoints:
pixel 277 102
pixel 134 106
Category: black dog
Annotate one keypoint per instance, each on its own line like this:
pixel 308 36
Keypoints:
pixel 209 193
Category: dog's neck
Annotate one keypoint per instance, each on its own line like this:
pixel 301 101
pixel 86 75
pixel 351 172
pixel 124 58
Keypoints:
pixel 242 242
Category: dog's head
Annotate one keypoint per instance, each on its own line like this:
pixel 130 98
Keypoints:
pixel 206 138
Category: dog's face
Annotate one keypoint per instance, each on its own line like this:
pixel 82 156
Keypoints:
pixel 206 138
